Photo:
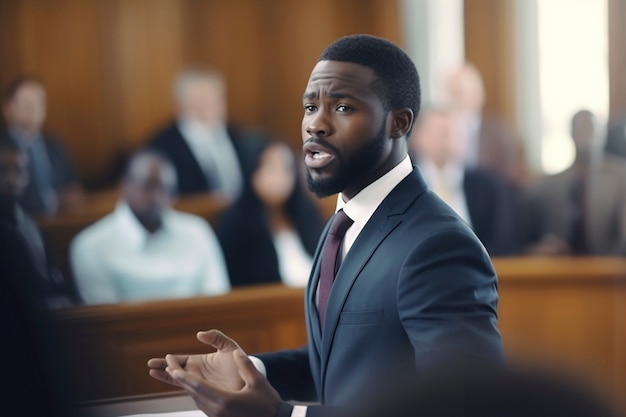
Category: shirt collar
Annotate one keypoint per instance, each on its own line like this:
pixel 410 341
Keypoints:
pixel 136 235
pixel 363 205
pixel 199 132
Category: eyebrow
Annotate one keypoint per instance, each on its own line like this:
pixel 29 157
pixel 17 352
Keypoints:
pixel 312 95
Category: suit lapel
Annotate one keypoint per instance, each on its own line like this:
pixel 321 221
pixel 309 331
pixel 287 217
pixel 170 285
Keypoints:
pixel 313 320
pixel 384 220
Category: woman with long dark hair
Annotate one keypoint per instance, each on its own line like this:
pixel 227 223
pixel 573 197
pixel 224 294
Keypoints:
pixel 270 233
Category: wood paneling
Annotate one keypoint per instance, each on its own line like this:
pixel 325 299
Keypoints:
pixel 567 315
pixel 617 59
pixel 107 346
pixel 489 44
pixel 108 64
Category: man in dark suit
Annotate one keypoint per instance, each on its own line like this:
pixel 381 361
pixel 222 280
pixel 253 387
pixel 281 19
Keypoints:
pixel 53 186
pixel 207 152
pixel 490 143
pixel 22 247
pixel 415 290
pixel 479 196
pixel 616 139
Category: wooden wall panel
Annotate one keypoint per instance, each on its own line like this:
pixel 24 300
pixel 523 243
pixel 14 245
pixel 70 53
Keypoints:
pixel 489 44
pixel 109 64
pixel 617 59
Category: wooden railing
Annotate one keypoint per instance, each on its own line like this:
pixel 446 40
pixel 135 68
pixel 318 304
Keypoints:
pixel 106 347
pixel 564 314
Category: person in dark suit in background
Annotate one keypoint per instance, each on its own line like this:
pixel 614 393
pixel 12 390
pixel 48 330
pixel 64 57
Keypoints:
pixel 478 195
pixel 38 383
pixel 489 142
pixel 207 151
pixel 270 233
pixel 53 186
pixel 581 210
pixel 22 248
pixel 616 139
pixel 414 287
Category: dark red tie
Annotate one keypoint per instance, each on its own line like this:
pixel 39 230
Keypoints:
pixel 341 223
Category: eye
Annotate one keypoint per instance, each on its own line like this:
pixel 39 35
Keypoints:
pixel 310 108
pixel 342 108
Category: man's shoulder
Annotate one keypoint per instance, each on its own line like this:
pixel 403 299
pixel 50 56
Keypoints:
pixel 188 223
pixel 165 135
pixel 96 234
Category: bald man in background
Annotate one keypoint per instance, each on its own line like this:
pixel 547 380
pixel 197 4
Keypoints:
pixel 145 250
pixel 208 152
pixel 489 142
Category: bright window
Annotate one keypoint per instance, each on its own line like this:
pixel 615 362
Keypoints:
pixel 573 72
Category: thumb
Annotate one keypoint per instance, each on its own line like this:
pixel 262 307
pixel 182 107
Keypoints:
pixel 218 340
pixel 247 371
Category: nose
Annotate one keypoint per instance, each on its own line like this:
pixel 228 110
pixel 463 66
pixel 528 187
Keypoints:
pixel 317 124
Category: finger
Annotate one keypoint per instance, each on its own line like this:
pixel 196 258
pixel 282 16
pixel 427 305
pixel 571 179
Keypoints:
pixel 157 363
pixel 172 363
pixel 217 339
pixel 197 387
pixel 162 376
pixel 161 363
pixel 247 371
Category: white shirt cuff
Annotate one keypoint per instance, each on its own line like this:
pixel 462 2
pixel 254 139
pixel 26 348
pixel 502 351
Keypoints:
pixel 298 411
pixel 259 365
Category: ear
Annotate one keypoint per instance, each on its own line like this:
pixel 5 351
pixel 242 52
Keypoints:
pixel 401 122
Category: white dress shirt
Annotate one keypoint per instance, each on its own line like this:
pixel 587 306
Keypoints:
pixel 117 259
pixel 216 155
pixel 360 209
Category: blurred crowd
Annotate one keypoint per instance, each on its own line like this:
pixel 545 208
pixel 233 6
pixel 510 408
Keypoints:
pixel 268 231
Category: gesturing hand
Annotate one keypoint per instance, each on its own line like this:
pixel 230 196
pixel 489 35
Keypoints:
pixel 224 383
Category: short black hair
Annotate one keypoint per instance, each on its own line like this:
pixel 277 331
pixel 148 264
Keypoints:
pixel 398 84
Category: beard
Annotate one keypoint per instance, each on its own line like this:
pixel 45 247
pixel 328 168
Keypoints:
pixel 362 163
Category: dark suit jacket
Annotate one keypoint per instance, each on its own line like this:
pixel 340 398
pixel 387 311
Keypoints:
pixel 500 150
pixel 62 175
pixel 191 178
pixel 490 204
pixel 547 208
pixel 244 234
pixel 616 139
pixel 415 291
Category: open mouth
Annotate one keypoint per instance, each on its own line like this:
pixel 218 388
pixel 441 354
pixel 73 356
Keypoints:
pixel 316 156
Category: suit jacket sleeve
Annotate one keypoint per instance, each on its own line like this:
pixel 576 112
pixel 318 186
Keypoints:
pixel 63 174
pixel 452 276
pixel 289 373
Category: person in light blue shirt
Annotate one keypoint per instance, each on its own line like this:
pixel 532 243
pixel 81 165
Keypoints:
pixel 145 250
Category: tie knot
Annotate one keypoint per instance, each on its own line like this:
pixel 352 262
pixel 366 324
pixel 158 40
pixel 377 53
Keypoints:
pixel 341 223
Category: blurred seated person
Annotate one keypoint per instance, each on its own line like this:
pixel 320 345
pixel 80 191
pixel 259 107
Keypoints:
pixel 270 233
pixel 489 142
pixel 207 151
pixel 22 247
pixel 582 210
pixel 53 185
pixel 616 139
pixel 145 250
pixel 478 196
